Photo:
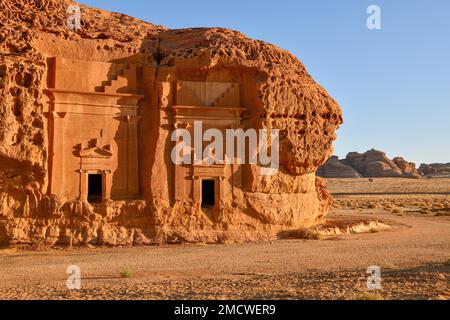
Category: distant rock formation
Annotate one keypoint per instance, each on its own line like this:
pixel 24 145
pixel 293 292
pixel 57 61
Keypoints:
pixel 435 169
pixel 405 166
pixel 371 164
pixel 334 168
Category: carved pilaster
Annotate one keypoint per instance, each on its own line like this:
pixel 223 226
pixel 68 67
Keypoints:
pixel 132 155
pixel 57 165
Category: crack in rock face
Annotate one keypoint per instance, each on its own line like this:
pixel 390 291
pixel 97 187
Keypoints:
pixel 265 88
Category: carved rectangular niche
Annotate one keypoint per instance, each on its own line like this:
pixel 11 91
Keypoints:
pixel 208 94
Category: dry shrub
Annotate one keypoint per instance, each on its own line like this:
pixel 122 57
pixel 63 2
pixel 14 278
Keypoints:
pixel 442 213
pixel 126 274
pixel 305 234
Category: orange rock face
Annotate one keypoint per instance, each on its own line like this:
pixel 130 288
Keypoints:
pixel 87 118
pixel 370 164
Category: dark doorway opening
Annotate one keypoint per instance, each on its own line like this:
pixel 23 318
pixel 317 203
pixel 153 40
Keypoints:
pixel 208 193
pixel 95 188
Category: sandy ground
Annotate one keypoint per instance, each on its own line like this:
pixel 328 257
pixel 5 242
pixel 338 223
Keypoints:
pixel 413 257
pixel 390 186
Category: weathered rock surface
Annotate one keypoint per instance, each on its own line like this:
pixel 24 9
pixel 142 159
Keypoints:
pixel 371 164
pixel 435 169
pixel 334 168
pixel 279 93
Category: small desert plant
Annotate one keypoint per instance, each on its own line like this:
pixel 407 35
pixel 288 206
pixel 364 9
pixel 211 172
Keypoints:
pixel 126 274
pixel 398 211
pixel 371 206
pixel 442 214
pixel 306 234
pixel 223 239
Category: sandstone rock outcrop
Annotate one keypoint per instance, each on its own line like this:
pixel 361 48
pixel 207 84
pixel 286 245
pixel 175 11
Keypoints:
pixel 407 168
pixel 435 169
pixel 371 164
pixel 142 81
pixel 334 168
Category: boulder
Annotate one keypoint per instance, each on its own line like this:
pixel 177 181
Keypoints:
pixel 435 169
pixel 371 164
pixel 334 168
pixel 408 168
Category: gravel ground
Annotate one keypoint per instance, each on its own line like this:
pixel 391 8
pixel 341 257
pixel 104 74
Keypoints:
pixel 413 257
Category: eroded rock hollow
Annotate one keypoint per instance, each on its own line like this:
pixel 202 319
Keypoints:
pixel 87 117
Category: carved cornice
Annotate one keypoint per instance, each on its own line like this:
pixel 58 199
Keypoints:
pixel 72 98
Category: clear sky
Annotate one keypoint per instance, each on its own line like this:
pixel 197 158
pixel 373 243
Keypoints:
pixel 393 84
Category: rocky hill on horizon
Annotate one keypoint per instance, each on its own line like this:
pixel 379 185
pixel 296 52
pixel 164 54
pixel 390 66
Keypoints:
pixel 434 169
pixel 371 164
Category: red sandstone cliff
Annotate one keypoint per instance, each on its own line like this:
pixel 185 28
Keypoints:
pixel 279 93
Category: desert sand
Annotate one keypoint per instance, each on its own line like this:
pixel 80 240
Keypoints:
pixel 413 256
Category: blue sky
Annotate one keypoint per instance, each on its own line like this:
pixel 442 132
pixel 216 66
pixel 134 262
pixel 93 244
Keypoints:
pixel 393 84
